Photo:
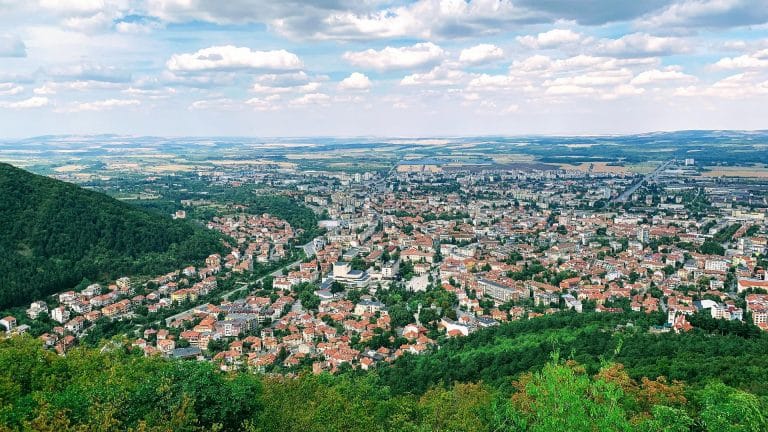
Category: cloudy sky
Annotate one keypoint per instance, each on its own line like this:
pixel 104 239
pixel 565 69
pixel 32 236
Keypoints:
pixel 381 67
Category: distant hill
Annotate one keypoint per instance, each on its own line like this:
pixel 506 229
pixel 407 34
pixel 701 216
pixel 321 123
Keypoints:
pixel 53 234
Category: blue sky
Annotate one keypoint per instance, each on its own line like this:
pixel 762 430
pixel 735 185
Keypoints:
pixel 381 67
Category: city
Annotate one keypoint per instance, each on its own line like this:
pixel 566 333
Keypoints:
pixel 383 215
pixel 424 252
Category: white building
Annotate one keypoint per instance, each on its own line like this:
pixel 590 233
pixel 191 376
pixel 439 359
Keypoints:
pixel 418 283
pixel 36 309
pixel 343 273
pixel 60 314
pixel 390 269
pixel 719 265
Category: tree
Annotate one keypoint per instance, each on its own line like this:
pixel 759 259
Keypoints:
pixel 727 409
pixel 469 408
pixel 428 315
pixel 710 247
pixel 309 300
pixel 337 287
pixel 400 315
pixel 563 397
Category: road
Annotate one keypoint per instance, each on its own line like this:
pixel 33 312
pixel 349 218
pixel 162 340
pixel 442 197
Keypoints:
pixel 308 248
pixel 628 193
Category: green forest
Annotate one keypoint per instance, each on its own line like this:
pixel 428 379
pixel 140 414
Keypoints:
pixel 546 374
pixel 735 355
pixel 54 234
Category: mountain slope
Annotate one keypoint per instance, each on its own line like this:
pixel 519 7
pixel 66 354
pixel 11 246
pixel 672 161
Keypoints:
pixel 735 356
pixel 53 234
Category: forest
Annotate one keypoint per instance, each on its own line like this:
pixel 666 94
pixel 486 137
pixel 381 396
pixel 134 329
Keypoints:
pixel 121 390
pixel 54 234
pixel 734 355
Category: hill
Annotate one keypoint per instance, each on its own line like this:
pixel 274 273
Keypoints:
pixel 117 389
pixel 53 234
pixel 734 356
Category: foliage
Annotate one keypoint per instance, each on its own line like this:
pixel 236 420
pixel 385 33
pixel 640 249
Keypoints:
pixel 54 234
pixel 712 248
pixel 118 390
pixel 498 353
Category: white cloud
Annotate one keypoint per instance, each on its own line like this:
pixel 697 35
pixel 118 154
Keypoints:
pixel 655 76
pixel 78 7
pixel 312 99
pixel 630 45
pixel 551 39
pixel 10 89
pixel 355 81
pixel 101 105
pixel 308 87
pixel 51 87
pixel 443 75
pixel 736 87
pixel 264 104
pixel 93 73
pixel 757 60
pixel 155 94
pixel 220 104
pixel 88 15
pixel 33 102
pixel 228 57
pixel 296 82
pixel 709 14
pixel 45 89
pixel 389 58
pixel 137 27
pixel 490 83
pixel 479 54
pixel 622 91
pixel 424 19
pixel 641 45
pixel 595 78
pixel 513 108
pixel 569 90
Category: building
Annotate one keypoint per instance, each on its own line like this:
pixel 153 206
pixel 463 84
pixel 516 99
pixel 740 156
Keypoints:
pixel 91 290
pixel 368 306
pixel 418 283
pixel 390 269
pixel 643 234
pixel 36 309
pixel 497 291
pixel 746 283
pixel 9 323
pixel 719 265
pixel 60 314
pixel 187 353
pixel 343 273
pixel 572 302
pixel 452 328
pixel 757 305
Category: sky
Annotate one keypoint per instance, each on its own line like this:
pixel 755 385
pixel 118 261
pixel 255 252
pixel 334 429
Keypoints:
pixel 381 67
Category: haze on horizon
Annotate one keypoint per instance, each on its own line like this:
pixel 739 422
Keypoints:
pixel 381 68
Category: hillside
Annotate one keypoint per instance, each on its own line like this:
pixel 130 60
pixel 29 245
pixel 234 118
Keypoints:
pixel 53 234
pixel 735 356
pixel 121 390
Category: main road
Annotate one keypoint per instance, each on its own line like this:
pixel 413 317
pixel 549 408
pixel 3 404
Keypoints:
pixel 628 193
pixel 309 250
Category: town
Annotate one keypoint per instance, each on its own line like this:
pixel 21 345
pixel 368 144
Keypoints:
pixel 408 258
